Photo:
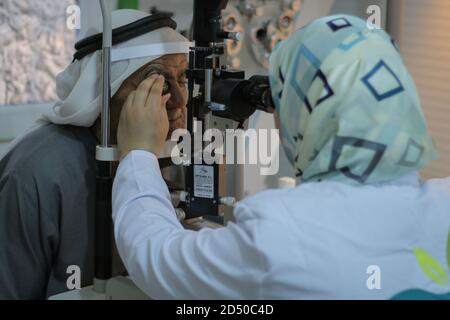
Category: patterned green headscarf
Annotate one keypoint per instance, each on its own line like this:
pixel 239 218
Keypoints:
pixel 348 107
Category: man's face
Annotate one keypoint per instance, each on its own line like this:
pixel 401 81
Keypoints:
pixel 173 68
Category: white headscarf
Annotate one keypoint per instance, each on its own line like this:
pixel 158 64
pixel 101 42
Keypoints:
pixel 79 86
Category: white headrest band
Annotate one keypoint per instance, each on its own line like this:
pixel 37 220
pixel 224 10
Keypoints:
pixel 149 50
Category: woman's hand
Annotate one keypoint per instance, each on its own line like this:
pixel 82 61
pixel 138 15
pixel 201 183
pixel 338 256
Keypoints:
pixel 144 123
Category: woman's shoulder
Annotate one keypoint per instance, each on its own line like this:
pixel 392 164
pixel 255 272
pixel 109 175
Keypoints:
pixel 323 197
pixel 278 200
pixel 304 190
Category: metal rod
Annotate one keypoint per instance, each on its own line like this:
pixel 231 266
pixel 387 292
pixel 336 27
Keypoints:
pixel 106 63
pixel 103 218
pixel 208 84
pixel 191 84
pixel 106 92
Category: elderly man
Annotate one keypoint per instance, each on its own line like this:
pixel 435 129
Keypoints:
pixel 47 179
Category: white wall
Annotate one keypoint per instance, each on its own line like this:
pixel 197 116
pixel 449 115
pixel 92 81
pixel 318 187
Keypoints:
pixel 35 44
pixel 15 120
pixel 422 30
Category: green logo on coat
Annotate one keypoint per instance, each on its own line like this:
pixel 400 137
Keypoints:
pixel 431 267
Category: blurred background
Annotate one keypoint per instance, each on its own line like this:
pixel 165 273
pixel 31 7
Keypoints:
pixel 37 38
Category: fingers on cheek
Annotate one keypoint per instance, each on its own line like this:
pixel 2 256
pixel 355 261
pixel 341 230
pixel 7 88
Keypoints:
pixel 146 84
pixel 130 100
pixel 166 98
pixel 154 96
pixel 125 108
pixel 130 107
pixel 156 91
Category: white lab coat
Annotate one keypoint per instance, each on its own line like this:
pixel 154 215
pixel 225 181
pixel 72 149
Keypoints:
pixel 317 241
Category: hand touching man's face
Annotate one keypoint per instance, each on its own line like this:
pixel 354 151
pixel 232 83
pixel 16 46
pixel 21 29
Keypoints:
pixel 173 68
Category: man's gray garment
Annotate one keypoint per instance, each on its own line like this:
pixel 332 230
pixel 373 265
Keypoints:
pixel 47 201
pixel 47 207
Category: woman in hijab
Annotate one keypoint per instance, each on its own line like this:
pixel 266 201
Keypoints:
pixel 361 224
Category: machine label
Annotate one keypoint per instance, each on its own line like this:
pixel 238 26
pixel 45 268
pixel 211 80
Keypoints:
pixel 204 181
